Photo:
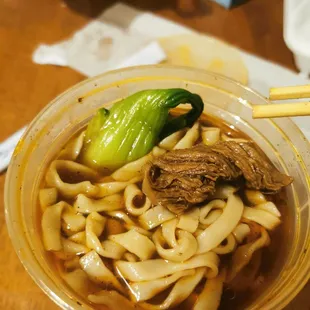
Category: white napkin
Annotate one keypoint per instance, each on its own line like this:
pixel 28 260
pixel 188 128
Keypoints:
pixel 7 148
pixel 100 47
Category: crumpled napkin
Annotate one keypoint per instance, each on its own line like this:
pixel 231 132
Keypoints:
pixel 102 45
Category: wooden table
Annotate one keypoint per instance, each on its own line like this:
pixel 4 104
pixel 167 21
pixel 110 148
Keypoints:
pixel 25 88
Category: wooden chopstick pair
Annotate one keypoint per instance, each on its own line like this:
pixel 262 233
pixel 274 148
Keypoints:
pixel 284 109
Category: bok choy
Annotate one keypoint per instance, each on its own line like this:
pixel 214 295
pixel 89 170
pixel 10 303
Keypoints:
pixel 134 125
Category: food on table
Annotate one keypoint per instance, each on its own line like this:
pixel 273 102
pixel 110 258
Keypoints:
pixel 170 211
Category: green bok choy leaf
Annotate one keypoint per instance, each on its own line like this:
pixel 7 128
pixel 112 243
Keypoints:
pixel 134 125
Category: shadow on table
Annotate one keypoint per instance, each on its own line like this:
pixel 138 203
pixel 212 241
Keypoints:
pixel 185 8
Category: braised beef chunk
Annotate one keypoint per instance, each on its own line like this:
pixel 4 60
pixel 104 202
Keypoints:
pixel 182 178
pixel 257 171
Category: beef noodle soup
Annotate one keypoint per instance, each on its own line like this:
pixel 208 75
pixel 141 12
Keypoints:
pixel 188 225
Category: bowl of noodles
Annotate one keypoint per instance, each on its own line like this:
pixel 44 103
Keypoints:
pixel 153 188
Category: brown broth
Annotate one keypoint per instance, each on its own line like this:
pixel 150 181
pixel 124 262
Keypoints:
pixel 270 259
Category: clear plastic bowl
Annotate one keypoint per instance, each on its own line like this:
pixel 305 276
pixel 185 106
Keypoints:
pixel 280 139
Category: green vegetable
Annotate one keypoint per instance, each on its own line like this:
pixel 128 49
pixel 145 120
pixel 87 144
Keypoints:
pixel 134 125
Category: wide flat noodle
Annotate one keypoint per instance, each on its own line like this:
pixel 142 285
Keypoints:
pixel 170 142
pixel 205 211
pixel 87 205
pixel 158 268
pixel 72 247
pixel 51 227
pixel 72 150
pixel 212 216
pixel 155 216
pixel 189 139
pixel 128 222
pixel 92 264
pixel 242 256
pixel 94 227
pixel 72 222
pixel 210 297
pixel 130 257
pixel 136 243
pixel 114 187
pixel 213 235
pixel 134 169
pixel 47 197
pixel 224 137
pixel 189 221
pixel 181 290
pixel 182 244
pixel 79 237
pixel 262 217
pixel 210 135
pixel 113 300
pixel 123 217
pixel 132 192
pixel 79 281
pixel 223 191
pixel 140 230
pixel 69 190
pixel 168 231
pixel 157 151
pixel 241 231
pixel 254 197
pixel 114 249
pixel 229 247
pixel 131 170
pixel 145 290
pixel 270 207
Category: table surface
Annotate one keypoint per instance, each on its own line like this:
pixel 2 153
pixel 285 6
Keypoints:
pixel 25 88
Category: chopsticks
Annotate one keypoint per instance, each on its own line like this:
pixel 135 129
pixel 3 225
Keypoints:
pixel 289 92
pixel 285 109
pixel 281 110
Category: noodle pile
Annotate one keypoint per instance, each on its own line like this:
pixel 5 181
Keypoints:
pixel 152 250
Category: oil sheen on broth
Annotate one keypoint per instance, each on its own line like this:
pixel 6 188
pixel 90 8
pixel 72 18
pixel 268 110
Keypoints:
pixel 83 232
